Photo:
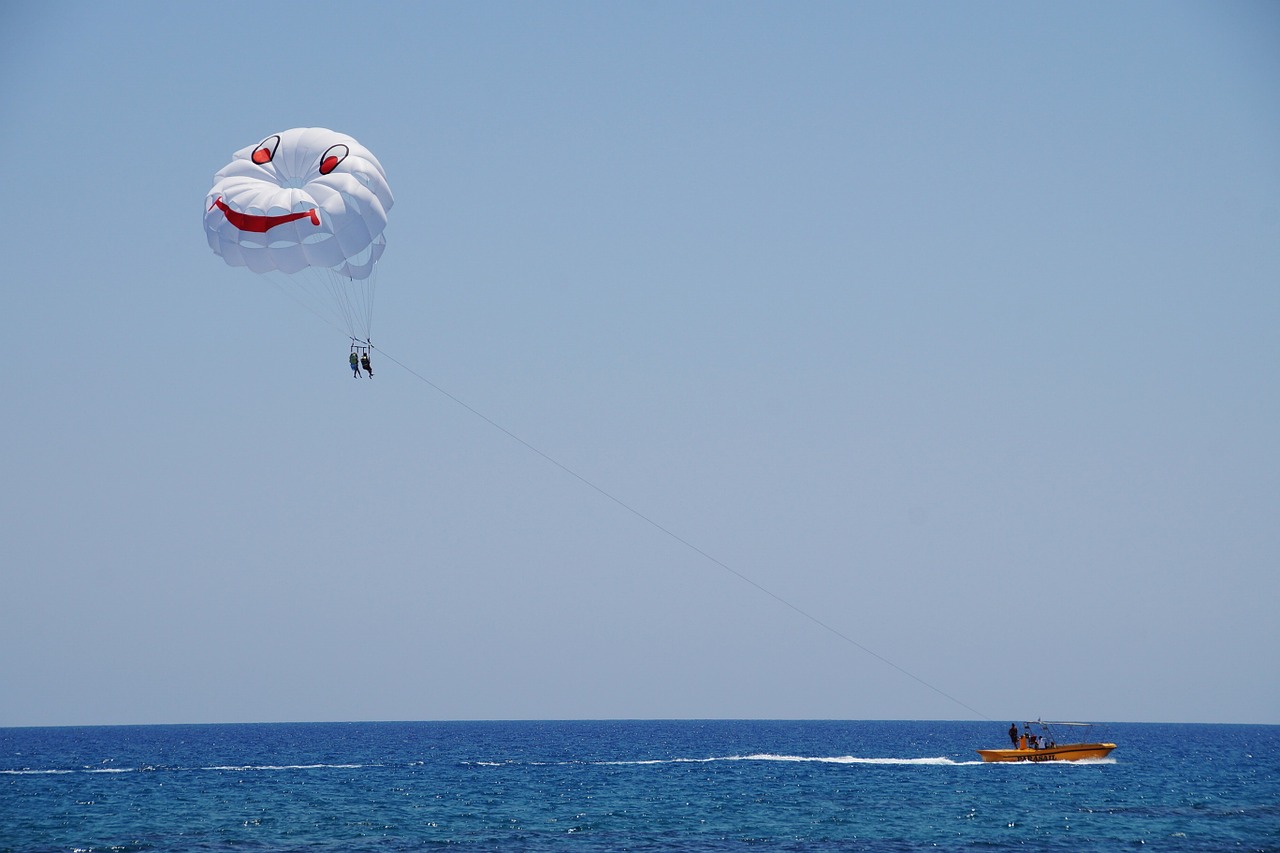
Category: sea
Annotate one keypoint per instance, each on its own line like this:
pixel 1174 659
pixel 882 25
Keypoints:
pixel 619 785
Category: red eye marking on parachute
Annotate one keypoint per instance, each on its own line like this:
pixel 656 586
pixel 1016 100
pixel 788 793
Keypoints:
pixel 266 151
pixel 262 224
pixel 332 157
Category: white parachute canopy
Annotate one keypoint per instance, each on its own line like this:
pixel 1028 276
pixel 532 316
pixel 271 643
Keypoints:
pixel 311 204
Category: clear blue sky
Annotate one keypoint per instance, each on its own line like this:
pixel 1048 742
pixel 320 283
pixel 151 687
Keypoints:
pixel 955 326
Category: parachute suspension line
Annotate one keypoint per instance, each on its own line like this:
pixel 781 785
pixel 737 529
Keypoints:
pixel 354 298
pixel 292 293
pixel 341 302
pixel 681 540
pixel 340 296
pixel 369 289
pixel 291 287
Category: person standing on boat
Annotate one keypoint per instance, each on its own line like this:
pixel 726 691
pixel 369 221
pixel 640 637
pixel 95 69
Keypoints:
pixel 1013 734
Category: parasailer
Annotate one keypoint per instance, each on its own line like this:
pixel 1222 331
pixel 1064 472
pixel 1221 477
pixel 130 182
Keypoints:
pixel 311 205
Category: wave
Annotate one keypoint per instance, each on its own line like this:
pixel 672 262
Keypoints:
pixel 223 768
pixel 243 768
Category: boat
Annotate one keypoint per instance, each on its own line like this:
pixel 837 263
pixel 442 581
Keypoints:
pixel 1038 742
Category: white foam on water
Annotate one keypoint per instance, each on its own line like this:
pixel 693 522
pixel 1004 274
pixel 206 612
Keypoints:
pixel 801 759
pixel 226 768
pixel 244 768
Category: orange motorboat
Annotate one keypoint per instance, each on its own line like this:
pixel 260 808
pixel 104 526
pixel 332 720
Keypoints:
pixel 1038 742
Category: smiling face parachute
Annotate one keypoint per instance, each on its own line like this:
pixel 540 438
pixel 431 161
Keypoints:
pixel 310 204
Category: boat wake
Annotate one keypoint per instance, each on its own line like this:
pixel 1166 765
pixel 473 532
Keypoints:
pixel 938 761
pixel 801 759
pixel 223 768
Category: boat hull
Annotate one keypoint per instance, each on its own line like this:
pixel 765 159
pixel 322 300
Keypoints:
pixel 1061 752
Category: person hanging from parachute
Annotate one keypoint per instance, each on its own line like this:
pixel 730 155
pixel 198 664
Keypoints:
pixel 310 204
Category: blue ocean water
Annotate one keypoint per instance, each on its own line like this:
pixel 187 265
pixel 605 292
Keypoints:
pixel 629 785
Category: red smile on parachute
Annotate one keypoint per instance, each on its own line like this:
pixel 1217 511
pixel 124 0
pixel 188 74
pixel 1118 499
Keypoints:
pixel 262 224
